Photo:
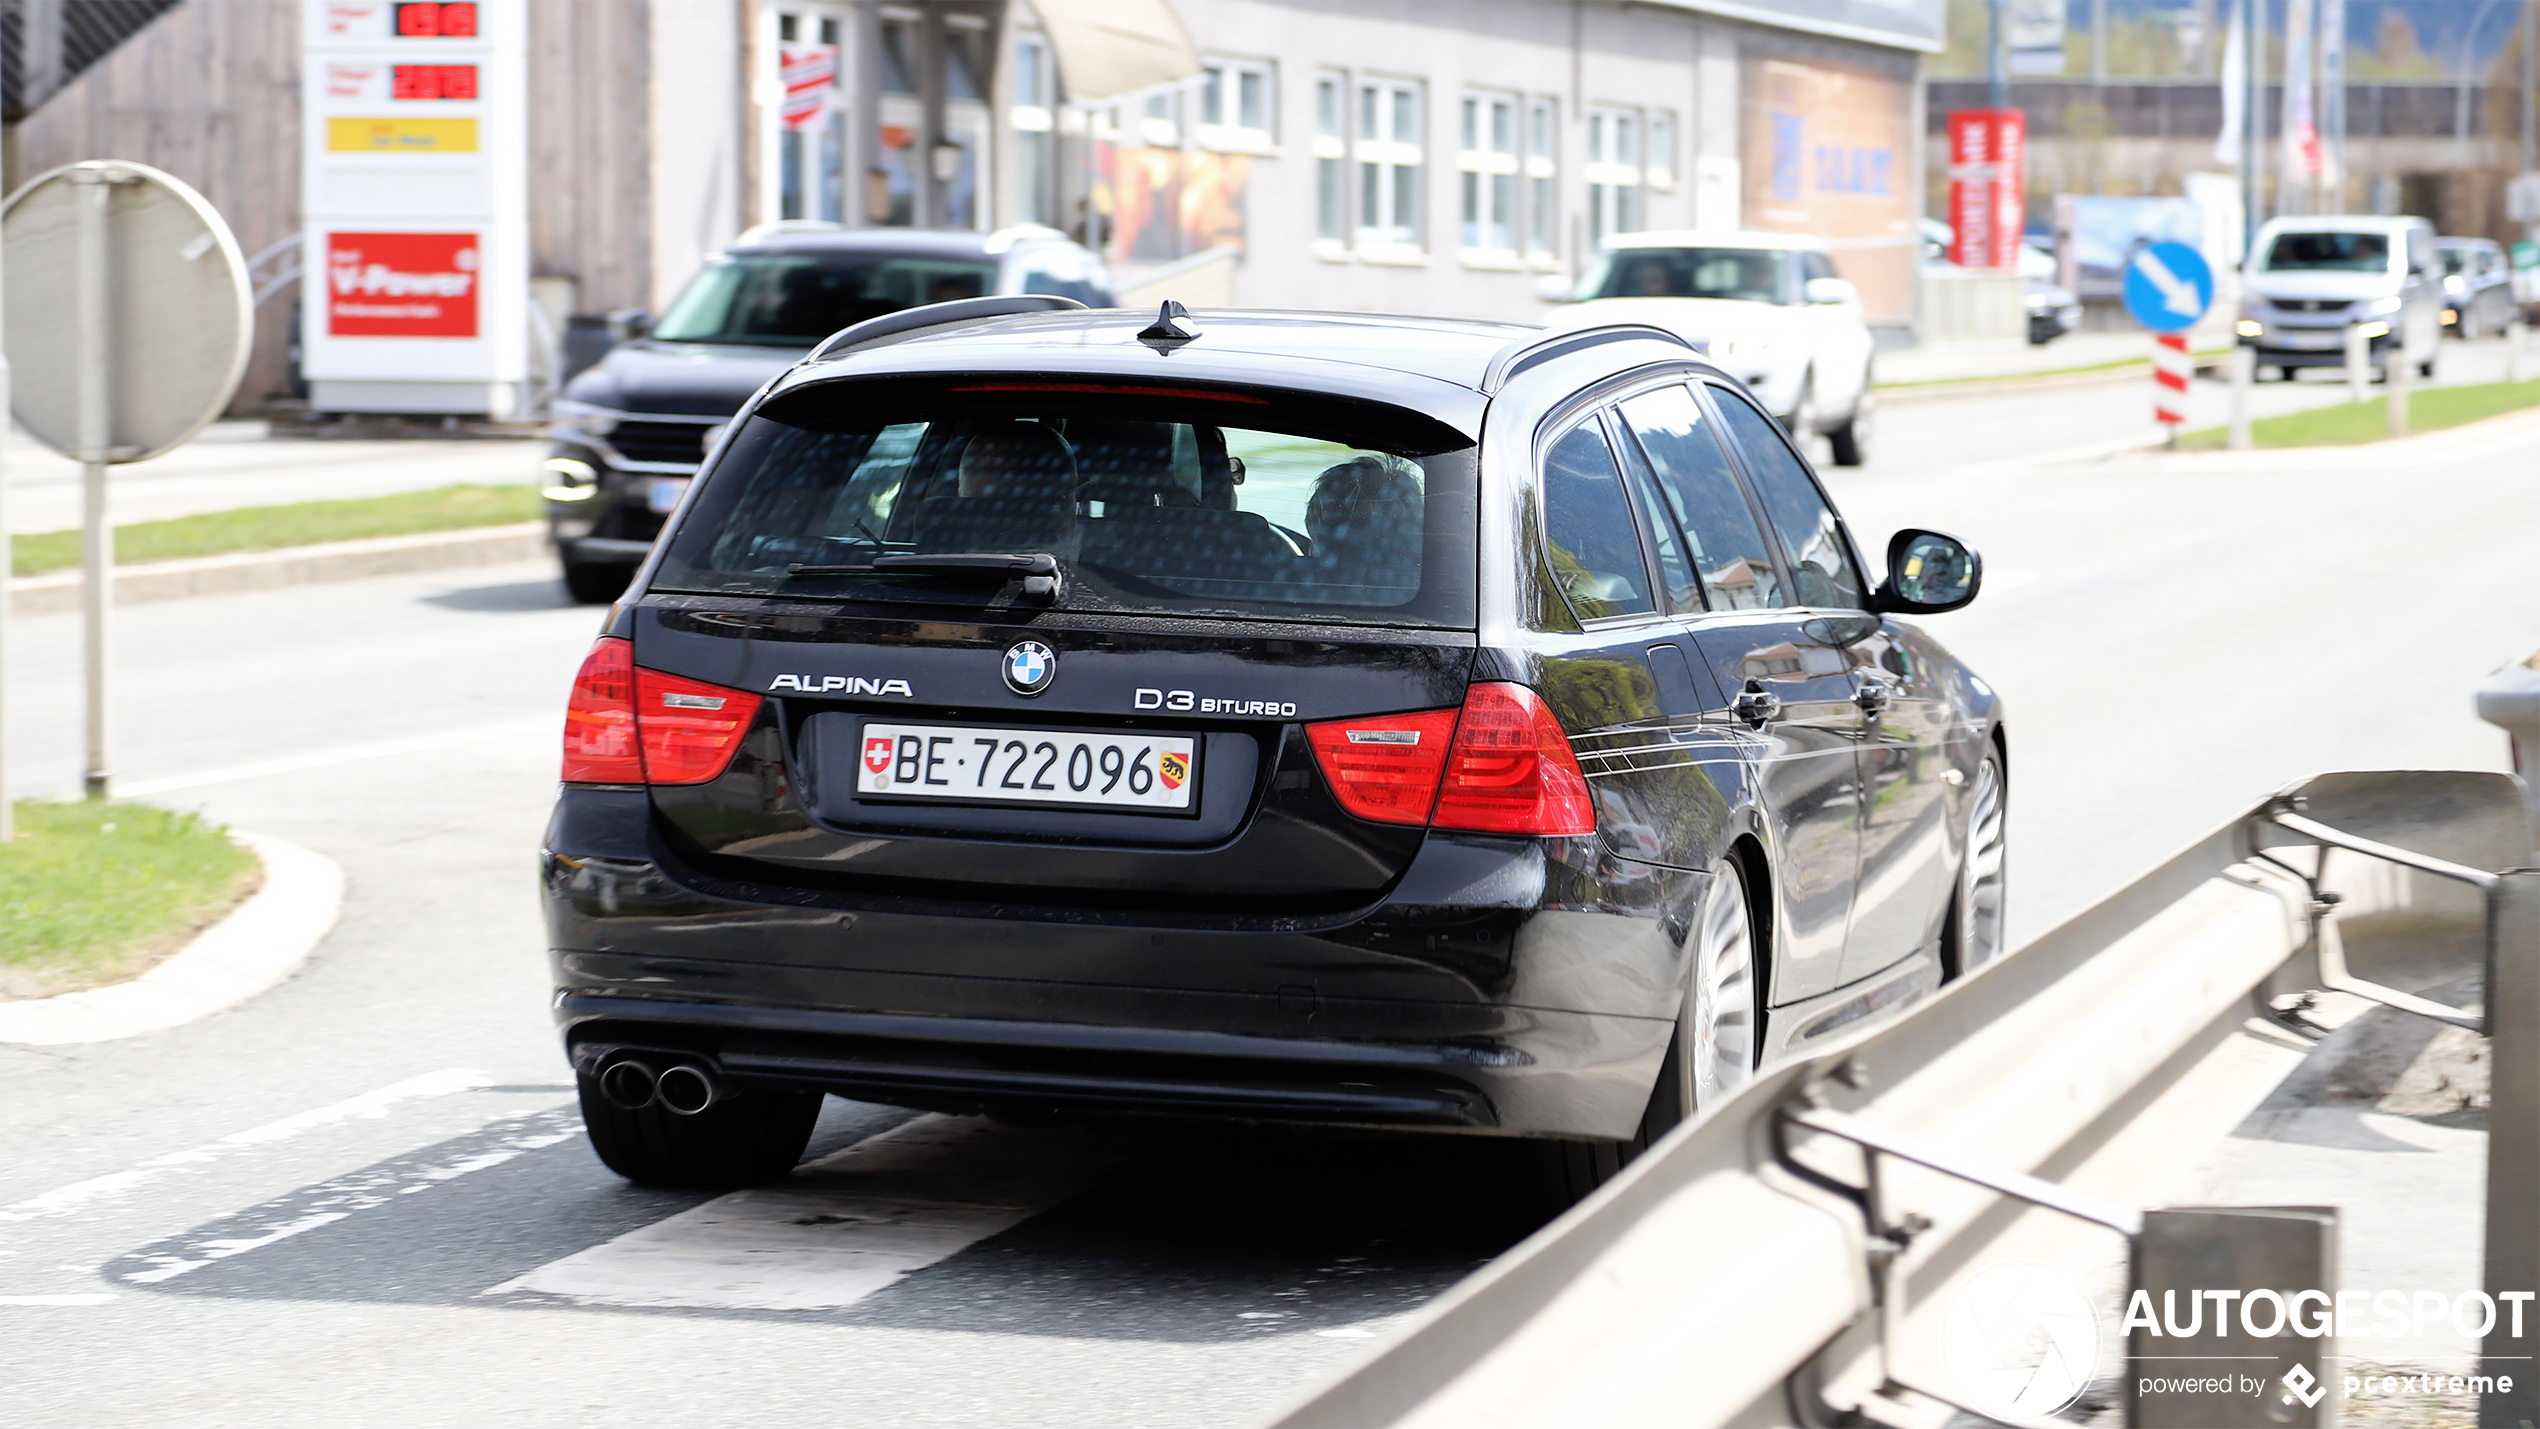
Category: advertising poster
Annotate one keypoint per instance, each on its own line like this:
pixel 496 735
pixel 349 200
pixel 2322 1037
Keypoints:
pixel 1829 152
pixel 401 284
pixel 1171 203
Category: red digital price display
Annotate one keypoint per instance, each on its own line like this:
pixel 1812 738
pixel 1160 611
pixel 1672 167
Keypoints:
pixel 445 19
pixel 433 81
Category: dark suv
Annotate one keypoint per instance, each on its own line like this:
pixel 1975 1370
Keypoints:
pixel 1305 717
pixel 630 430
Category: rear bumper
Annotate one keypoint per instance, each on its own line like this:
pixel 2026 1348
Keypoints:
pixel 1494 1014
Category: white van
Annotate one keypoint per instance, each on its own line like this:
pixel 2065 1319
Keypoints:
pixel 2308 278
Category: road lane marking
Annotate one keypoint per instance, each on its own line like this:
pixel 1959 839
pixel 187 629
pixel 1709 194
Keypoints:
pixel 342 754
pixel 342 1197
pixel 80 1195
pixel 91 1299
pixel 840 1228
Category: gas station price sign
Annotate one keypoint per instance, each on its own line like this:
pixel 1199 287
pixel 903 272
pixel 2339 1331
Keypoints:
pixel 433 82
pixel 437 19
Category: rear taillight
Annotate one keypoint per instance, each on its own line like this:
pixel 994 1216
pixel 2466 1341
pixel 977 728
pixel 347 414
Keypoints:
pixel 599 723
pixel 1499 765
pixel 1511 770
pixel 1385 768
pixel 632 726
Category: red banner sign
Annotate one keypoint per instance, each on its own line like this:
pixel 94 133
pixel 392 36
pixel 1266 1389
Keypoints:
pixel 401 284
pixel 1987 189
pixel 810 76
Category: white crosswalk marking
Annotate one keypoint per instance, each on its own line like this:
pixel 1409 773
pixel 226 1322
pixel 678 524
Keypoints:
pixel 840 1228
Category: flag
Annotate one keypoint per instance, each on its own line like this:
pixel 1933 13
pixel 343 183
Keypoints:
pixel 2301 126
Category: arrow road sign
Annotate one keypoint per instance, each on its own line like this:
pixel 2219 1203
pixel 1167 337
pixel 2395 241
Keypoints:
pixel 2168 286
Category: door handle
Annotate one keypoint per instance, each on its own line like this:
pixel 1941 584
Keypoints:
pixel 1756 706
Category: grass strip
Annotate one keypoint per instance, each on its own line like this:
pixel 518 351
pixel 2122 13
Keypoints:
pixel 302 523
pixel 2430 409
pixel 92 892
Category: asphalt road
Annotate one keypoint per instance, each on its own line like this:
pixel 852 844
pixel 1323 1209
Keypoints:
pixel 361 1197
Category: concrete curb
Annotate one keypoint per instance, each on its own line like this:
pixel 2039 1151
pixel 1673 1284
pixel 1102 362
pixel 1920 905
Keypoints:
pixel 57 592
pixel 261 942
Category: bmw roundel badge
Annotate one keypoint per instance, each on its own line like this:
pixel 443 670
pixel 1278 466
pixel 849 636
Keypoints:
pixel 1030 666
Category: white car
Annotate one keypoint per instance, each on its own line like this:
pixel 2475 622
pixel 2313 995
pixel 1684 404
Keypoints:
pixel 1765 306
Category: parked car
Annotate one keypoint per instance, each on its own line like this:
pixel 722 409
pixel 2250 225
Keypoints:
pixel 2053 309
pixel 1394 722
pixel 2307 278
pixel 2478 286
pixel 1767 307
pixel 629 432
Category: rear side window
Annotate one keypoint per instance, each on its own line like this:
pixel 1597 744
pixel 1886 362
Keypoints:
pixel 1588 532
pixel 1814 540
pixel 1729 549
pixel 1180 501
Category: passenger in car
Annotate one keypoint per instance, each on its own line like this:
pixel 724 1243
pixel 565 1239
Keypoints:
pixel 1365 519
pixel 1011 492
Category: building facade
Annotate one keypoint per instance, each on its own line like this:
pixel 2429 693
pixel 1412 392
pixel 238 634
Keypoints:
pixel 1334 154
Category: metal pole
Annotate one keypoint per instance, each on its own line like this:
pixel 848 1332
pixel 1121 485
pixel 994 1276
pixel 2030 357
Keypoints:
pixel 2398 369
pixel 96 435
pixel 2244 375
pixel 2513 1150
pixel 2358 363
pixel 1998 85
pixel 8 568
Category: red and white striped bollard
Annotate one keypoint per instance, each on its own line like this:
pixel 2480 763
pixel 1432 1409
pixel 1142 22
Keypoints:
pixel 2171 370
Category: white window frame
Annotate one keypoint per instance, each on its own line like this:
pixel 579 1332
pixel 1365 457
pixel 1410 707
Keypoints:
pixel 1615 179
pixel 1543 182
pixel 1488 172
pixel 1333 173
pixel 1226 130
pixel 1385 159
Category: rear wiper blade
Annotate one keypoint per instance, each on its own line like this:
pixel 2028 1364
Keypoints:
pixel 1038 570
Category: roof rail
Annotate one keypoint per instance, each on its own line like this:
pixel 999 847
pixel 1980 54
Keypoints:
pixel 1528 352
pixel 960 310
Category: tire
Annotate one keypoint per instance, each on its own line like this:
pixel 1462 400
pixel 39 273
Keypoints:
pixel 1714 1051
pixel 741 1140
pixel 1851 441
pixel 1971 936
pixel 595 582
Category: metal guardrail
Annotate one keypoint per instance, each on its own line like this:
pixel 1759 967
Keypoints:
pixel 1789 1257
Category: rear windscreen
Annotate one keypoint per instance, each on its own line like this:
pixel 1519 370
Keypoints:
pixel 1165 500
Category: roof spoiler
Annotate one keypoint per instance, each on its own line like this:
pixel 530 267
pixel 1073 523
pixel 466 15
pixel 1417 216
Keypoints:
pixel 960 310
pixel 1529 352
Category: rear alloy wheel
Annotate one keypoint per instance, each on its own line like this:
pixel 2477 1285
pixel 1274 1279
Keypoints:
pixel 1851 441
pixel 737 1140
pixel 1973 936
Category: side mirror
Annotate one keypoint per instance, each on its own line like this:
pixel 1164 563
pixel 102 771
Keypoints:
pixel 1928 572
pixel 1832 290
pixel 628 324
pixel 1553 288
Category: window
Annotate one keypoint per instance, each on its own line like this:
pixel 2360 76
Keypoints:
pixel 1159 125
pixel 1543 207
pixel 1331 159
pixel 1389 164
pixel 1279 507
pixel 811 139
pixel 899 70
pixel 1235 107
pixel 794 300
pixel 1588 533
pixel 1661 168
pixel 1034 136
pixel 1489 163
pixel 1819 562
pixel 1729 549
pixel 1614 174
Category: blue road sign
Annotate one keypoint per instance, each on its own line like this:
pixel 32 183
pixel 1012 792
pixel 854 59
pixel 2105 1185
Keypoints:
pixel 2168 286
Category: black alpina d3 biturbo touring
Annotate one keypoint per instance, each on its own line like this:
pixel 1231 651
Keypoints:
pixel 1297 717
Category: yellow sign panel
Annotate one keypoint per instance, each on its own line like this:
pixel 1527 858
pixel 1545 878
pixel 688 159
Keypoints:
pixel 401 136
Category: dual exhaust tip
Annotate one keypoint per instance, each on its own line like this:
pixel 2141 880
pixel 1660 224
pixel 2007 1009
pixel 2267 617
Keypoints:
pixel 682 1088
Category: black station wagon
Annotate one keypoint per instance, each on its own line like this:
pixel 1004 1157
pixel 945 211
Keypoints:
pixel 1305 717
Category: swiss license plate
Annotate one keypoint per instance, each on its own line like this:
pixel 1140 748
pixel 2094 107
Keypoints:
pixel 664 493
pixel 1031 766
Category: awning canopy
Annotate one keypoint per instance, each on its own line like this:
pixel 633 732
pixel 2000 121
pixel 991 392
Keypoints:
pixel 1108 48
